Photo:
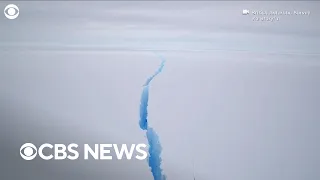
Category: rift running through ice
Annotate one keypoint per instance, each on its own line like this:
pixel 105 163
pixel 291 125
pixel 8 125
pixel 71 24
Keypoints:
pixel 154 159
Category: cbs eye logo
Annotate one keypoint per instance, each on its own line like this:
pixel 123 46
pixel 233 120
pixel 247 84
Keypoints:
pixel 11 11
pixel 28 151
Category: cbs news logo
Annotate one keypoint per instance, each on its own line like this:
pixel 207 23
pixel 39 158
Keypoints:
pixel 11 11
pixel 29 151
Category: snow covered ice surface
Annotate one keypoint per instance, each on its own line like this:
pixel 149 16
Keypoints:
pixel 238 98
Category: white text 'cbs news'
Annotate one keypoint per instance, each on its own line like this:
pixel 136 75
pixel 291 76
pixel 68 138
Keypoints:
pixel 29 151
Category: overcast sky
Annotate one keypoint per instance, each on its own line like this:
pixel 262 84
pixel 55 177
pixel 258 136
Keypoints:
pixel 164 25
